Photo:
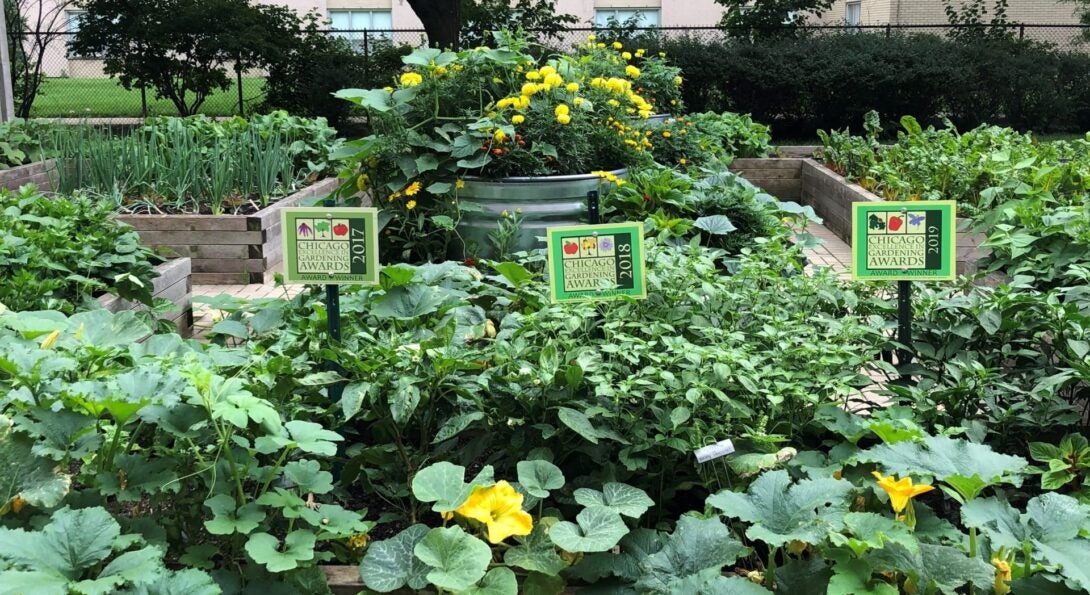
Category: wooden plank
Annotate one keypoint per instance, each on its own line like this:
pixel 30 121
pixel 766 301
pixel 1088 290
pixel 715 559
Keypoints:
pixel 171 272
pixel 228 265
pixel 205 251
pixel 769 163
pixel 791 189
pixel 185 222
pixel 156 238
pixel 803 151
pixel 765 174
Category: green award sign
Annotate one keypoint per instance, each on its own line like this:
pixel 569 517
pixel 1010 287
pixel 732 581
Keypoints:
pixel 330 246
pixel 904 241
pixel 589 263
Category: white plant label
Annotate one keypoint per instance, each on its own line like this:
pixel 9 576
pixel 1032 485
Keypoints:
pixel 714 451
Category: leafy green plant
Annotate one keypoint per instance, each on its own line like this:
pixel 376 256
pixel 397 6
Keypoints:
pixel 83 551
pixel 60 253
pixel 1067 463
pixel 22 142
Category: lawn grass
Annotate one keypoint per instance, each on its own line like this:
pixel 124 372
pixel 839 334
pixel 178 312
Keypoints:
pixel 105 98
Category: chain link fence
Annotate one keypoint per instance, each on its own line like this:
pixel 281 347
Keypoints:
pixel 76 86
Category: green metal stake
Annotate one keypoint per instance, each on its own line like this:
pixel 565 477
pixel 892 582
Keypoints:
pixel 333 318
pixel 904 325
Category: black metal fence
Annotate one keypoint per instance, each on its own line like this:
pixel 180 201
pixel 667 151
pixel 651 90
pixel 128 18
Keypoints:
pixel 76 87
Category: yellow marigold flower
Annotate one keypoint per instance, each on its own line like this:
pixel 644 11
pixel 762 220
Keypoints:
pixel 573 87
pixel 503 103
pixel 440 71
pixel 617 45
pixel 459 183
pixel 395 196
pixel 388 89
pixel 554 80
pixel 547 70
pixel 630 142
pixel 518 119
pixel 51 340
pixel 645 113
pixel 529 89
pixel 632 71
pixel 524 102
pixel 626 55
pixel 413 189
pixel 684 161
pixel 564 119
pixel 614 103
pixel 578 101
pixel 500 136
pixel 410 205
pixel 533 75
pixel 662 54
pixel 592 37
pixel 561 109
pixel 597 82
pixel 601 45
pixel 630 110
pixel 640 53
pixel 1002 576
pixel 666 134
pixel 361 182
pixel 900 491
pixel 411 79
pixel 678 80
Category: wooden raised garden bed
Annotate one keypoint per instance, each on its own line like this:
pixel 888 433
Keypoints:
pixel 31 173
pixel 831 195
pixel 174 284
pixel 225 249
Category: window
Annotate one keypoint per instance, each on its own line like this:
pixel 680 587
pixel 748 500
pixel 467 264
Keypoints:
pixel 73 18
pixel 353 23
pixel 644 17
pixel 853 14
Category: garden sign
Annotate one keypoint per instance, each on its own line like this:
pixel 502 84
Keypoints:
pixel 589 263
pixel 903 241
pixel 330 246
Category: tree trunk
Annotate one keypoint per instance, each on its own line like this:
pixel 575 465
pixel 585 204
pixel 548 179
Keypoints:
pixel 441 19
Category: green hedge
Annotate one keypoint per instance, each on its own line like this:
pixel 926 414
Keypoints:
pixel 830 81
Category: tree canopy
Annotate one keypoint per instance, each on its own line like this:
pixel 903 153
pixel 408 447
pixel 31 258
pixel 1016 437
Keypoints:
pixel 448 21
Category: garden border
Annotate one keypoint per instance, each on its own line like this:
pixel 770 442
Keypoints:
pixel 831 195
pixel 36 173
pixel 225 249
pixel 174 283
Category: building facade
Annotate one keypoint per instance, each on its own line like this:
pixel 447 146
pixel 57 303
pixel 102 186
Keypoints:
pixel 931 12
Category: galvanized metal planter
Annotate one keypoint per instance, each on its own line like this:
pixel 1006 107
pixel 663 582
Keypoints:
pixel 541 202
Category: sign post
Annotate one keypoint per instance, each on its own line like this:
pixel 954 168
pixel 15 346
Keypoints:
pixel 595 263
pixel 333 246
pixel 904 242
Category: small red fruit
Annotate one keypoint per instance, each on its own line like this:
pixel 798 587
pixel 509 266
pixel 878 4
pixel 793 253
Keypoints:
pixel 571 248
pixel 895 223
pixel 340 229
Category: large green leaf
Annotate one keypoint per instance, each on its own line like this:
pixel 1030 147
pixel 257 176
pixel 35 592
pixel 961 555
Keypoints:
pixel 934 567
pixel 536 552
pixel 267 550
pixel 697 546
pixel 72 541
pixel 183 582
pixel 442 483
pixel 869 531
pixel 539 478
pixel 599 529
pixel 965 466
pixel 390 564
pixel 228 519
pixel 619 497
pixel 781 512
pixel 1053 524
pixel 411 302
pixel 36 480
pixel 457 559
pixel 313 438
pixel 498 581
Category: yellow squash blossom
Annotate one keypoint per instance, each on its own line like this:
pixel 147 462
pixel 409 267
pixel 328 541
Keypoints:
pixel 459 183
pixel 499 507
pixel 51 340
pixel 411 79
pixel 900 491
pixel 518 119
pixel 410 205
pixel 500 136
pixel 440 71
pixel 413 189
pixel 1002 576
